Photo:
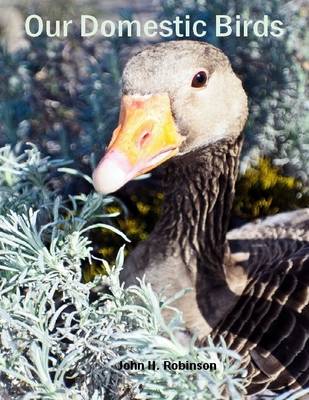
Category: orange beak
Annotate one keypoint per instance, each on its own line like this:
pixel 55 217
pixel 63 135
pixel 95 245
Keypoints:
pixel 145 137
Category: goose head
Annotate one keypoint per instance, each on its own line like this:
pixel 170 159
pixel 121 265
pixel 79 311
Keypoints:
pixel 176 97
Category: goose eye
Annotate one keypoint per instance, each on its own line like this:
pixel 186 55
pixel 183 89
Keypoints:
pixel 199 80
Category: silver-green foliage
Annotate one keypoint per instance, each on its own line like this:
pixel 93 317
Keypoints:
pixel 61 338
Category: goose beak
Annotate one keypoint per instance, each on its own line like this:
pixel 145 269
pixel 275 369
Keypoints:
pixel 145 137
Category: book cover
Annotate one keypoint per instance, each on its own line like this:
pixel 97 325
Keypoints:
pixel 154 200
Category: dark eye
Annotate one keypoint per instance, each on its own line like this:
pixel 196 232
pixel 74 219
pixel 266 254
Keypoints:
pixel 199 80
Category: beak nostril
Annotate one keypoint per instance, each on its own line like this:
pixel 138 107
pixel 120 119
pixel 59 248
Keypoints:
pixel 144 139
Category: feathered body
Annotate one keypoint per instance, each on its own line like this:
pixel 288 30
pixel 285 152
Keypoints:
pixel 269 325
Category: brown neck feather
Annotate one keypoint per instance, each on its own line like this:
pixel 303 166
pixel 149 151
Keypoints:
pixel 199 192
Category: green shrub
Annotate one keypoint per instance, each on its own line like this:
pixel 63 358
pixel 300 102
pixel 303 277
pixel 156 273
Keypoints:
pixel 63 96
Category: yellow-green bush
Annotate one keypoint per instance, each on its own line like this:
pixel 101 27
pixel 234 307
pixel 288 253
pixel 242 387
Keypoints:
pixel 263 190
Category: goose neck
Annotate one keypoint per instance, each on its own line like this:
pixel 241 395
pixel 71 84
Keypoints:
pixel 199 192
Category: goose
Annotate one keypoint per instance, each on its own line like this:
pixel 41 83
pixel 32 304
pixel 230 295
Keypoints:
pixel 183 106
